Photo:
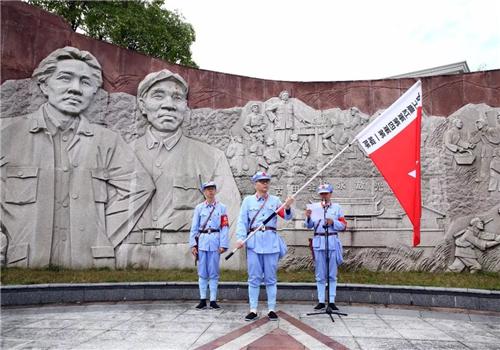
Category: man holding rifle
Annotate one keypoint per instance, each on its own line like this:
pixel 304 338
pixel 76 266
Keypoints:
pixel 265 247
pixel 468 239
pixel 208 239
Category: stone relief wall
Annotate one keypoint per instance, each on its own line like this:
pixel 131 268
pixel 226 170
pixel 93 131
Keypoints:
pixel 460 213
pixel 291 130
pixel 79 197
pixel 459 172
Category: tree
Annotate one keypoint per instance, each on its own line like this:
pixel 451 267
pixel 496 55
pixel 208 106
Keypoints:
pixel 142 26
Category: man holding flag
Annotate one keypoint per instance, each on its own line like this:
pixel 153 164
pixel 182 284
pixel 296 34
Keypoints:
pixel 265 247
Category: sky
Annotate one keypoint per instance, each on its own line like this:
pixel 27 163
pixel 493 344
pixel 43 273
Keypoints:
pixel 331 40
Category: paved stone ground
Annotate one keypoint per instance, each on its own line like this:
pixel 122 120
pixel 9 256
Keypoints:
pixel 176 325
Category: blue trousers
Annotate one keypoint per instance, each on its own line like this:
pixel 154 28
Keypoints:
pixel 208 264
pixel 208 267
pixel 320 272
pixel 258 265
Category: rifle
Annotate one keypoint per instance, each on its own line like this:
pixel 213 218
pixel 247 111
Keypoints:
pixel 298 150
pixel 311 248
pixel 459 233
pixel 196 239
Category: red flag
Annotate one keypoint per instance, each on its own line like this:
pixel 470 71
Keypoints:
pixel 393 143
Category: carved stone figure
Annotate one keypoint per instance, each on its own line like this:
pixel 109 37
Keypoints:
pixel 495 171
pixel 260 143
pixel 350 153
pixel 273 156
pixel 356 122
pixel 453 140
pixel 332 136
pixel 71 190
pixel 254 163
pixel 489 137
pixel 466 240
pixel 179 166
pixel 295 151
pixel 236 153
pixel 351 130
pixel 283 115
pixel 455 145
pixel 255 122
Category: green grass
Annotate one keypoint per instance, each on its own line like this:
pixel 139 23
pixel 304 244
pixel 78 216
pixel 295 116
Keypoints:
pixel 484 280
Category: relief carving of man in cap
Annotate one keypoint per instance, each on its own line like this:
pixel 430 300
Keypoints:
pixel 490 138
pixel 465 242
pixel 179 166
pixel 71 191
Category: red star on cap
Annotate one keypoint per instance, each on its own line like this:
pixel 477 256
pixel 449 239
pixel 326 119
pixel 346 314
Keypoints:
pixel 263 174
pixel 323 187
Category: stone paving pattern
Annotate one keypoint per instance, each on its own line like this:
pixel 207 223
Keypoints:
pixel 177 325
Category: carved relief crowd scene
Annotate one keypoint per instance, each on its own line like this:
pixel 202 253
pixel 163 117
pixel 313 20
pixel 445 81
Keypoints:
pixel 278 138
pixel 119 204
pixel 487 138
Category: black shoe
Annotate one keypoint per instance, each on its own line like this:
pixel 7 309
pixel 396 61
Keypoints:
pixel 214 305
pixel 252 316
pixel 202 305
pixel 320 307
pixel 272 316
pixel 333 306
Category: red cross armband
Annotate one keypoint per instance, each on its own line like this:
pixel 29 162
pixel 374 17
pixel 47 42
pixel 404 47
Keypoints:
pixel 342 220
pixel 224 221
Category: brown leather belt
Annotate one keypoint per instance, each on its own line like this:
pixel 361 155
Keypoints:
pixel 209 231
pixel 265 228
pixel 323 234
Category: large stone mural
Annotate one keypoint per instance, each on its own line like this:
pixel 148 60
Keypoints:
pixel 75 195
pixel 118 197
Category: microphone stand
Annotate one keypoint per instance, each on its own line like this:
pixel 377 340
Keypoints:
pixel 328 311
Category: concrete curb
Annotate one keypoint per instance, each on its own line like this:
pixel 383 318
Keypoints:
pixel 475 299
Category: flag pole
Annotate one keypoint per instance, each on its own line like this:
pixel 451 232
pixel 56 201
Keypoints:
pixel 293 196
